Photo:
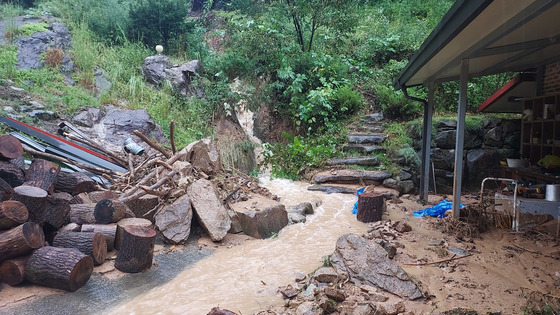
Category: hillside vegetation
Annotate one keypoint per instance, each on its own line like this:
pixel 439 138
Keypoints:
pixel 319 63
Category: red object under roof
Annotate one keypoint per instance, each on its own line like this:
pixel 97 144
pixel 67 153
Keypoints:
pixel 508 99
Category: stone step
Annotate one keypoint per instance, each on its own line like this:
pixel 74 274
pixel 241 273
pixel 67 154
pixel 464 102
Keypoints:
pixel 373 117
pixel 351 176
pixel 363 138
pixel 359 160
pixel 330 189
pixel 363 148
pixel 370 128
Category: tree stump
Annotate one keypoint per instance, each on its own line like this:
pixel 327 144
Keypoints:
pixel 74 183
pixel 12 271
pixel 34 198
pixel 12 213
pixel 10 173
pixel 10 147
pixel 20 240
pixel 89 243
pixel 137 249
pixel 109 232
pixel 42 173
pixel 107 211
pixel 57 209
pixel 128 222
pixel 61 268
pixel 6 190
pixel 370 207
pixel 82 213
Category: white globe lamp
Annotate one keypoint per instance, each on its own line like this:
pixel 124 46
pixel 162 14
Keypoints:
pixel 159 49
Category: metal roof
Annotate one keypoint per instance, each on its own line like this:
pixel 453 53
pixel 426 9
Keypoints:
pixel 495 35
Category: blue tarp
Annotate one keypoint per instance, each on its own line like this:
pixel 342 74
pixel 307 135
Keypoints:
pixel 437 210
pixel 355 209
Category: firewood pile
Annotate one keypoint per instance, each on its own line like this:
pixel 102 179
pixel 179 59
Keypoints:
pixel 55 226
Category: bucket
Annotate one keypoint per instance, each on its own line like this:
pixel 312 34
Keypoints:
pixel 553 192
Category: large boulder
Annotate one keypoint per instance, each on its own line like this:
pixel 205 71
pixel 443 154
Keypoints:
pixel 210 211
pixel 482 163
pixel 447 140
pixel 154 69
pixel 261 217
pixel 204 156
pixel 182 76
pixel 494 137
pixel 443 159
pixel 366 262
pixel 174 221
pixel 31 48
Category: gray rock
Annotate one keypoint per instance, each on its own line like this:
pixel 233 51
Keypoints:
pixel 102 83
pixel 9 109
pixel 326 275
pixel 122 123
pixel 309 308
pixel 261 217
pixel 366 262
pixel 447 125
pixel 374 117
pixel 404 175
pixel 365 160
pixel 446 176
pixel 43 114
pixel 329 189
pixel 211 213
pixel 493 138
pixel 174 221
pixel 303 208
pixel 510 126
pixel 31 48
pixel 364 309
pixel 310 290
pixel 393 184
pixel 447 140
pixel 36 105
pixel 294 217
pixel 407 186
pixel 391 308
pixel 204 156
pixel 512 140
pixel 350 176
pixel 443 159
pixel 361 138
pixel 154 69
pixel 87 118
pixel 482 163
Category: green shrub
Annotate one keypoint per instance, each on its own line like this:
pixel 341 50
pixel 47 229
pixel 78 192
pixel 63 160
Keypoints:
pixel 21 3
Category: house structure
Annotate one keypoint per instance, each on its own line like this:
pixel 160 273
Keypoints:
pixel 484 37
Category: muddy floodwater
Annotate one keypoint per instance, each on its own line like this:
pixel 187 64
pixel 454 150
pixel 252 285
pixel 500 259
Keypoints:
pixel 246 278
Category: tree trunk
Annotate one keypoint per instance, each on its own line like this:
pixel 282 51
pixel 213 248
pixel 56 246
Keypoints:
pixel 82 213
pixel 34 198
pixel 12 213
pixel 10 173
pixel 10 147
pixel 137 249
pixel 12 271
pixel 61 268
pixel 107 211
pixel 42 173
pixel 89 243
pixel 6 190
pixel 20 240
pixel 58 207
pixel 109 232
pixel 128 222
pixel 74 183
pixel 370 207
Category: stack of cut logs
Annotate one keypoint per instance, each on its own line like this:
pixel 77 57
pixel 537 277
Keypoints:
pixel 56 225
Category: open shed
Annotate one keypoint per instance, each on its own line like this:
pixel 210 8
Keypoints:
pixel 478 38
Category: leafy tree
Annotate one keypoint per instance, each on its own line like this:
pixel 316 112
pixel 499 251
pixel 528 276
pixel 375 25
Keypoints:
pixel 158 21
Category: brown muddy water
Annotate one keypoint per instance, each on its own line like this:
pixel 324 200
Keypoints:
pixel 246 278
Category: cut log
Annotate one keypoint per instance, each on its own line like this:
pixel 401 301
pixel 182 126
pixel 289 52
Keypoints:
pixel 81 198
pixel 89 243
pixel 142 206
pixel 6 190
pixel 370 207
pixel 10 147
pixel 97 196
pixel 70 227
pixel 74 183
pixel 107 211
pixel 10 173
pixel 12 213
pixel 82 213
pixel 20 240
pixel 128 222
pixel 12 271
pixel 109 232
pixel 34 198
pixel 42 173
pixel 137 249
pixel 61 268
pixel 57 209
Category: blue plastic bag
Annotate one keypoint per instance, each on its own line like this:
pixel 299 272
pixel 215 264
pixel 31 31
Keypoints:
pixel 437 210
pixel 355 209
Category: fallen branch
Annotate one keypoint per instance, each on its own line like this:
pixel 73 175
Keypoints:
pixel 152 144
pixel 153 192
pixel 143 192
pixel 439 261
pixel 172 136
pixel 536 252
pixel 238 171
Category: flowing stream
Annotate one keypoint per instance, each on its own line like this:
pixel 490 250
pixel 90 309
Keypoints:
pixel 246 278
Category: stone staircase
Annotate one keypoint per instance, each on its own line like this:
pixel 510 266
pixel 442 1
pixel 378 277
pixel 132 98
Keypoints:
pixel 365 139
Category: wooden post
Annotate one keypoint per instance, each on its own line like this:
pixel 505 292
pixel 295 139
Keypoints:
pixel 137 249
pixel 20 240
pixel 61 268
pixel 12 213
pixel 370 207
pixel 89 243
pixel 34 198
pixel 12 271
